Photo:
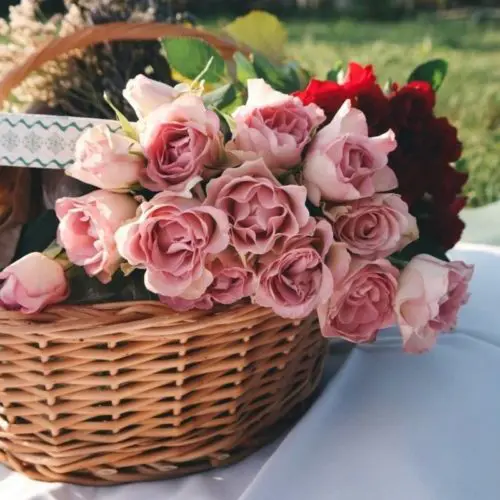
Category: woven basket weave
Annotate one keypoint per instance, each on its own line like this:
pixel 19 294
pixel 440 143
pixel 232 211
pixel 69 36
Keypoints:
pixel 129 391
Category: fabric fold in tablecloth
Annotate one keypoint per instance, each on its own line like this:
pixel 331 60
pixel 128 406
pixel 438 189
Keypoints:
pixel 392 426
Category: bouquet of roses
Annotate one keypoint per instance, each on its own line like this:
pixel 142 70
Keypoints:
pixel 305 203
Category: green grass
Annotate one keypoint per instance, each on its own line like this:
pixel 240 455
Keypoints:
pixel 470 96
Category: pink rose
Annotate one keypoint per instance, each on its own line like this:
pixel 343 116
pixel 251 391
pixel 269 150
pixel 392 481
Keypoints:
pixel 260 210
pixel 87 228
pixel 374 227
pixel 430 294
pixel 295 281
pixel 172 238
pixel 273 126
pixel 31 283
pixel 180 140
pixel 344 164
pixel 232 282
pixel 363 299
pixel 103 159
pixel 146 95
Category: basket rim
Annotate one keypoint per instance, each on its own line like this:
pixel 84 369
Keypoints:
pixel 87 36
pixel 52 310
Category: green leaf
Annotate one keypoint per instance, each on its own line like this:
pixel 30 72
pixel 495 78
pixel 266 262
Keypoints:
pixel 293 76
pixel 190 57
pixel 204 71
pixel 271 73
pixel 53 250
pixel 333 74
pixel 127 127
pixel 224 125
pixel 222 97
pixel 244 68
pixel 432 72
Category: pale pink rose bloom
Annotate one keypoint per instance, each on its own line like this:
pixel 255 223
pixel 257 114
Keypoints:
pixel 232 282
pixel 344 164
pixel 103 159
pixel 31 283
pixel 145 95
pixel 374 227
pixel 430 294
pixel 181 141
pixel 273 126
pixel 363 299
pixel 172 238
pixel 296 280
pixel 261 211
pixel 87 227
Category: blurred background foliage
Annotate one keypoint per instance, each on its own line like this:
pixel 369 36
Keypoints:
pixel 381 9
pixel 394 36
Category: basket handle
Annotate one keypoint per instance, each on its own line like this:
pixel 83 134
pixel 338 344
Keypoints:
pixel 92 35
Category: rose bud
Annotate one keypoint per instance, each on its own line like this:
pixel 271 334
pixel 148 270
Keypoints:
pixel 104 159
pixel 145 95
pixel 429 296
pixel 31 283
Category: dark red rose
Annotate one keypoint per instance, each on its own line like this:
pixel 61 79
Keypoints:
pixel 411 104
pixel 358 79
pixel 443 224
pixel 445 144
pixel 375 106
pixel 412 180
pixel 448 183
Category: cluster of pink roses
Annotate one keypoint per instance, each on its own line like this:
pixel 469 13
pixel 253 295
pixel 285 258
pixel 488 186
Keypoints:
pixel 215 233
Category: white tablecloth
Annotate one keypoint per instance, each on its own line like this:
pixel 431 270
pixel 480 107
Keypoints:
pixel 388 426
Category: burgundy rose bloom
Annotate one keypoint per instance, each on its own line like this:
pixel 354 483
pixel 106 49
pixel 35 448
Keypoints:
pixel 442 224
pixel 411 104
pixel 375 106
pixel 442 140
pixel 448 184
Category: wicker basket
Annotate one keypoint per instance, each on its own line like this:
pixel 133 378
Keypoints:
pixel 131 391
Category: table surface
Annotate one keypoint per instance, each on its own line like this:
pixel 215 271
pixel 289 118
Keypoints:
pixel 388 426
